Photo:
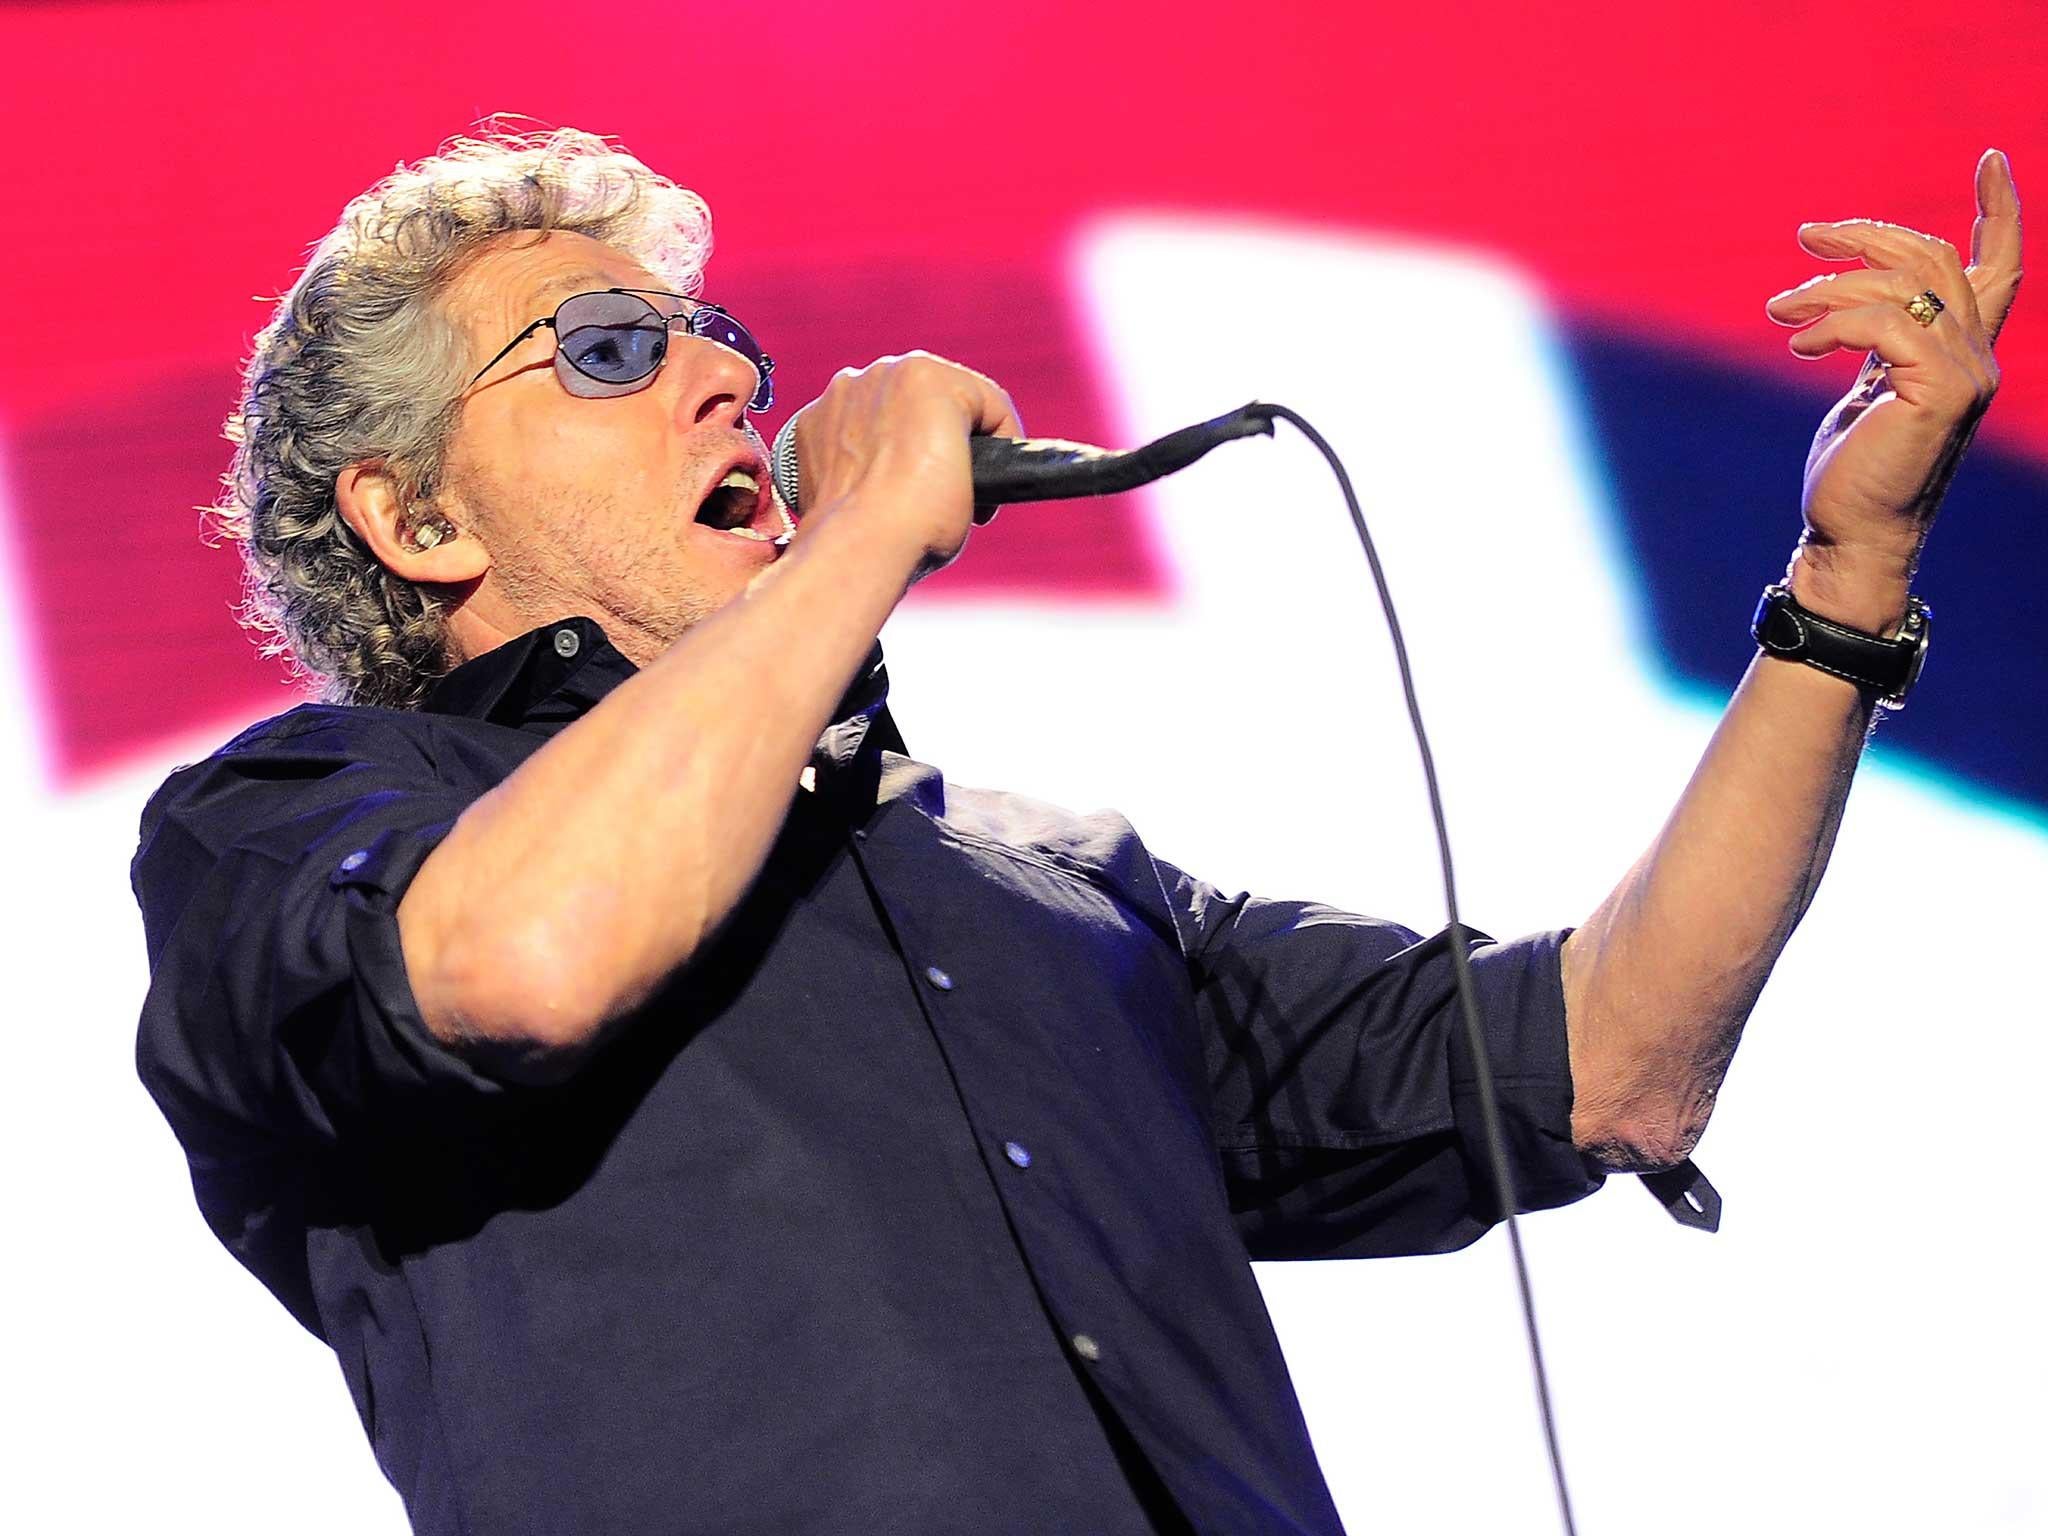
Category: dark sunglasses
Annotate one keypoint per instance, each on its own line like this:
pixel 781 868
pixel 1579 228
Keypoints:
pixel 614 342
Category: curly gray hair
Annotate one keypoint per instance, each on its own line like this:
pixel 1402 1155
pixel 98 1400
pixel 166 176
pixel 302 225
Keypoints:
pixel 360 362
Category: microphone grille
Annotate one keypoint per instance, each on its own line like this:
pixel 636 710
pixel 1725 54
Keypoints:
pixel 782 466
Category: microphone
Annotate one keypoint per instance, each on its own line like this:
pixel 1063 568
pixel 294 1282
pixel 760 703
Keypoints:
pixel 1049 468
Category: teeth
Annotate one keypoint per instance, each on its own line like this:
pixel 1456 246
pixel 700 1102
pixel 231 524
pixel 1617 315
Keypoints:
pixel 731 503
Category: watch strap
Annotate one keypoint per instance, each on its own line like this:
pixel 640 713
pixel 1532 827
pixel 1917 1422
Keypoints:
pixel 1887 667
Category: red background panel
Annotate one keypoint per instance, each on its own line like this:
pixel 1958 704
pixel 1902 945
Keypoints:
pixel 133 640
pixel 890 175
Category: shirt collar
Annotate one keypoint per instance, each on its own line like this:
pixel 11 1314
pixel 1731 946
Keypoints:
pixel 552 676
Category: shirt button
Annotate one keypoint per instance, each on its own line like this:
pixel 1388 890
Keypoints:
pixel 1017 1153
pixel 355 861
pixel 1086 1347
pixel 567 643
pixel 938 978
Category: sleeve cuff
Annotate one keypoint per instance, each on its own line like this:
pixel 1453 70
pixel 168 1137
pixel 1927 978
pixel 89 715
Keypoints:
pixel 400 1058
pixel 1520 990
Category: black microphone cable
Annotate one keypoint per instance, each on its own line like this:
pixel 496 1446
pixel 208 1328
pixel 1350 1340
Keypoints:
pixel 1044 469
pixel 1050 468
pixel 1461 965
pixel 1053 469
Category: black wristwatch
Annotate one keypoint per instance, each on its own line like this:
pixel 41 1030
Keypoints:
pixel 1889 668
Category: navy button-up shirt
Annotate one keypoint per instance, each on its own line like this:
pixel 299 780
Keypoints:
pixel 921 1199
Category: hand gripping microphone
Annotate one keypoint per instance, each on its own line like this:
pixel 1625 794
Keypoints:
pixel 1051 469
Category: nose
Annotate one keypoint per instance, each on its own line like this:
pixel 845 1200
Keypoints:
pixel 714 382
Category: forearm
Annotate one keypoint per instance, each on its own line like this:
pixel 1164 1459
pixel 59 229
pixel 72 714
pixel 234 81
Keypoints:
pixel 567 894
pixel 1661 978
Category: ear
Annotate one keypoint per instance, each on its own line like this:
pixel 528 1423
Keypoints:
pixel 409 540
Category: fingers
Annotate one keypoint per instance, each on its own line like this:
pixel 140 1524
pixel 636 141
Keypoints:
pixel 989 408
pixel 1883 291
pixel 997 413
pixel 893 437
pixel 982 402
pixel 1885 329
pixel 1983 293
pixel 1995 246
pixel 1921 362
pixel 1843 290
pixel 907 387
pixel 1995 236
pixel 1891 246
pixel 1926 261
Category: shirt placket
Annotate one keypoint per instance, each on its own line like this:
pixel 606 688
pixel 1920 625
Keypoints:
pixel 946 989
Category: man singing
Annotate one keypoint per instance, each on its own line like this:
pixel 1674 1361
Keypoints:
pixel 683 1110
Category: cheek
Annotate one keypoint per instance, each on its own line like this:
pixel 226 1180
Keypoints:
pixel 566 491
pixel 616 447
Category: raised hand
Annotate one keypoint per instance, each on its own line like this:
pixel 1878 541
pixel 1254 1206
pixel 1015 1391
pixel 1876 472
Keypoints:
pixel 1885 454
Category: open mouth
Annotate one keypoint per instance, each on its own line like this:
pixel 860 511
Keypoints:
pixel 736 505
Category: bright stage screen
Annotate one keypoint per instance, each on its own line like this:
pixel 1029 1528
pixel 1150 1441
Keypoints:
pixel 1513 262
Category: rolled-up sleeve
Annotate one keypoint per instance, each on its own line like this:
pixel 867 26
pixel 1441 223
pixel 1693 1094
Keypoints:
pixel 1345 1102
pixel 280 1033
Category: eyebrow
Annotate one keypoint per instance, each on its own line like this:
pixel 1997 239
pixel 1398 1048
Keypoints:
pixel 583 280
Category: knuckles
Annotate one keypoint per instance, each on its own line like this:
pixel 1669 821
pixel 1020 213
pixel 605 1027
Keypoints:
pixel 913 364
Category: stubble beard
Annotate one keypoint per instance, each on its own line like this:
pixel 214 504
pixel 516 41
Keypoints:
pixel 600 559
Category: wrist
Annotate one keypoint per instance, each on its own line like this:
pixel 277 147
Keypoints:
pixel 892 546
pixel 1884 669
pixel 1862 589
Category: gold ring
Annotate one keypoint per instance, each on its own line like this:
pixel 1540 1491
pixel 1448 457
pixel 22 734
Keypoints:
pixel 1925 306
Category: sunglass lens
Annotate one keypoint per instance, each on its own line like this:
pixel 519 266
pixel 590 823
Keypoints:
pixel 609 339
pixel 714 324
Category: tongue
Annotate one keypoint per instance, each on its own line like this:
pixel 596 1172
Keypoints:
pixel 728 507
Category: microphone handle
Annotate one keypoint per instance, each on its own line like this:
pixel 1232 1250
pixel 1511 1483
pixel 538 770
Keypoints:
pixel 1052 469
